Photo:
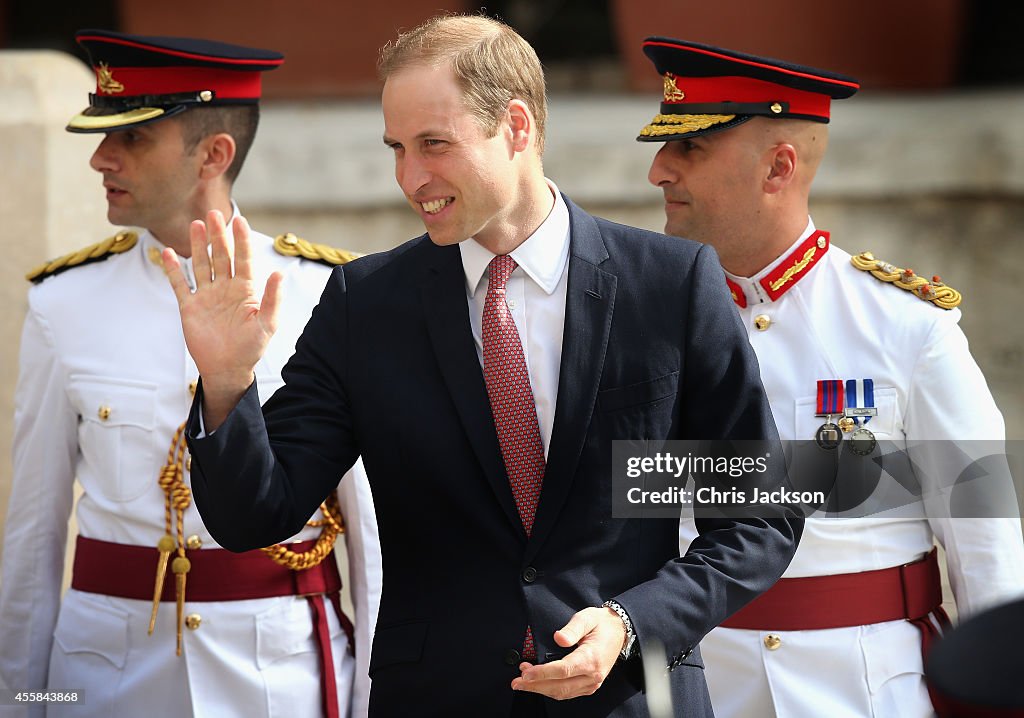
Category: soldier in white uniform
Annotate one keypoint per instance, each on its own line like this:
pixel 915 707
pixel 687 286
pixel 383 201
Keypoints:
pixel 160 621
pixel 842 633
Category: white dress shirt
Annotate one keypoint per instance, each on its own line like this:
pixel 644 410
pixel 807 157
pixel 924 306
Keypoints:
pixel 535 294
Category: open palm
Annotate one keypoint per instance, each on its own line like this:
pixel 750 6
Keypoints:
pixel 226 325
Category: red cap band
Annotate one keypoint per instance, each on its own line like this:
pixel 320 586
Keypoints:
pixel 701 90
pixel 226 84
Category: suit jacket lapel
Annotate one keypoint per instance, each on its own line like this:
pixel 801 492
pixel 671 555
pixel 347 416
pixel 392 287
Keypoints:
pixel 590 299
pixel 446 312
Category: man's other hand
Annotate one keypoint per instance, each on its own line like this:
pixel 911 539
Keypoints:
pixel 599 636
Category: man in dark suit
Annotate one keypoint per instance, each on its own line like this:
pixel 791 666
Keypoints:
pixel 483 371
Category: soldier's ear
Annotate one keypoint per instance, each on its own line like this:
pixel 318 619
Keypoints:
pixel 218 152
pixel 781 167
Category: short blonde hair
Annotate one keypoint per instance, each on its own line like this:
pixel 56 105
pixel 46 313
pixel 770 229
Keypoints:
pixel 491 62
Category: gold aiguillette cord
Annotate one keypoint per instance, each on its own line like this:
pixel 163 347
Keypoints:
pixel 165 545
pixel 177 497
pixel 180 567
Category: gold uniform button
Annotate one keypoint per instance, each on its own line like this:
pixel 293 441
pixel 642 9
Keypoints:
pixel 772 642
pixel 192 621
pixel 193 542
pixel 762 322
pixel 822 242
pixel 290 239
pixel 847 424
pixel 776 108
pixel 154 256
pixel 104 412
pixel 192 386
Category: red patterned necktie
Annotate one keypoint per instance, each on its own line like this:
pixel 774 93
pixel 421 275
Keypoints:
pixel 512 404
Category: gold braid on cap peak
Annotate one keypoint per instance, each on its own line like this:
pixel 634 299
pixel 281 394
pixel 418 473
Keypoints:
pixel 120 242
pixel 292 246
pixel 939 294
pixel 678 124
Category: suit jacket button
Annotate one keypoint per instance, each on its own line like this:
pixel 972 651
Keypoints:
pixel 530 574
pixel 512 657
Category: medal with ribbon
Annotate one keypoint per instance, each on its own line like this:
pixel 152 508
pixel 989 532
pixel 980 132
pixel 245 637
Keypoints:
pixel 830 403
pixel 860 407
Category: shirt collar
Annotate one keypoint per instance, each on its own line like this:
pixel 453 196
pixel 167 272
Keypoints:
pixel 758 288
pixel 542 256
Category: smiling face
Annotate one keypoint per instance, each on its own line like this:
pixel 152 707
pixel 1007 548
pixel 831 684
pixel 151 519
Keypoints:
pixel 148 176
pixel 460 181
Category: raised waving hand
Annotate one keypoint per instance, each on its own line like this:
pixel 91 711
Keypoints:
pixel 226 325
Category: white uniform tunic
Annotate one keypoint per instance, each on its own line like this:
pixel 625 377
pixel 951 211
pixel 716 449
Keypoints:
pixel 838 322
pixel 104 383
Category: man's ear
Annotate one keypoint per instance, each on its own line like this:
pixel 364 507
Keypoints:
pixel 218 152
pixel 781 169
pixel 521 124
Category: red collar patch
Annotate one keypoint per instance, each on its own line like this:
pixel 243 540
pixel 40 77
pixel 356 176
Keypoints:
pixel 738 294
pixel 797 264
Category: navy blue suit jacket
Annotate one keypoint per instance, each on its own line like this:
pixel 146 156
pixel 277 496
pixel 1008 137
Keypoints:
pixel 387 369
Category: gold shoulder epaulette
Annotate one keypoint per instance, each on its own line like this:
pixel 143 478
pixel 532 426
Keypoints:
pixel 939 294
pixel 120 242
pixel 291 246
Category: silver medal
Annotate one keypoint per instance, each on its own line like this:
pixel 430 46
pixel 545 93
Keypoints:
pixel 862 442
pixel 828 436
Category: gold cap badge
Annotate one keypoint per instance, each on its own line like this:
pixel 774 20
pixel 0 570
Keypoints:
pixel 672 91
pixel 105 80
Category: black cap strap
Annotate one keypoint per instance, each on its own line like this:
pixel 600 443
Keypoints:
pixel 130 103
pixel 725 108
